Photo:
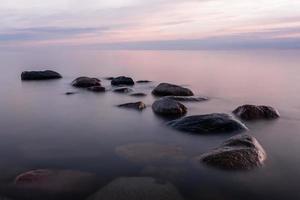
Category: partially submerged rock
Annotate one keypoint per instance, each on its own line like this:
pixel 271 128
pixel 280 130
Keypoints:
pixel 122 80
pixel 168 107
pixel 253 112
pixel 109 78
pixel 139 94
pixel 136 105
pixel 123 90
pixel 96 89
pixel 40 75
pixel 210 123
pixel 86 82
pixel 144 81
pixel 70 93
pixel 188 99
pixel 137 188
pixel 151 153
pixel 241 152
pixel 166 89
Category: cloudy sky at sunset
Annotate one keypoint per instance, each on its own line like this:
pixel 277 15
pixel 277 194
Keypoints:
pixel 160 24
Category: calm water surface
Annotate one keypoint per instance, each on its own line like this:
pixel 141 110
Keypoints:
pixel 43 128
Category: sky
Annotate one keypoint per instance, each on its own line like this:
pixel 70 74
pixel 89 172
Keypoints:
pixel 151 24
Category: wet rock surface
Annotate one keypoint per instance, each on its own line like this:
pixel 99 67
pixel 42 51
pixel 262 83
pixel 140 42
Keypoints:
pixel 136 105
pixel 139 94
pixel 168 107
pixel 188 99
pixel 167 89
pixel 137 188
pixel 143 81
pixel 123 90
pixel 86 82
pixel 40 75
pixel 97 89
pixel 241 152
pixel 210 123
pixel 254 112
pixel 122 80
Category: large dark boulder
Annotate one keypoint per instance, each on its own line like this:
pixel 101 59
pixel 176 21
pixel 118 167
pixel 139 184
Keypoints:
pixel 168 107
pixel 210 123
pixel 136 105
pixel 40 75
pixel 166 89
pixel 241 152
pixel 86 82
pixel 122 80
pixel 253 112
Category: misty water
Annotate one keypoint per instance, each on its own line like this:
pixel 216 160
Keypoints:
pixel 42 128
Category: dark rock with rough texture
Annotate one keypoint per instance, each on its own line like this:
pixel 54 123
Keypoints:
pixel 144 81
pixel 166 89
pixel 96 89
pixel 253 112
pixel 241 152
pixel 39 75
pixel 138 94
pixel 210 123
pixel 86 82
pixel 123 90
pixel 188 99
pixel 122 80
pixel 168 107
pixel 137 105
pixel 137 188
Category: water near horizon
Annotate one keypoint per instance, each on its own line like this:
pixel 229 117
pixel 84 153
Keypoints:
pixel 41 127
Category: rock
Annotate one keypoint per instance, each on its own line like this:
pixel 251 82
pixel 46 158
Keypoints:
pixel 86 82
pixel 122 80
pixel 166 89
pixel 210 123
pixel 188 99
pixel 137 188
pixel 55 181
pixel 40 75
pixel 109 78
pixel 123 90
pixel 138 94
pixel 253 112
pixel 137 105
pixel 151 153
pixel 70 93
pixel 96 89
pixel 144 81
pixel 168 107
pixel 241 152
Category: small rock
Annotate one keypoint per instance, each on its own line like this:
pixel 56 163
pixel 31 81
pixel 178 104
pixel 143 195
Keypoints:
pixel 96 89
pixel 122 80
pixel 70 93
pixel 241 152
pixel 137 188
pixel 123 90
pixel 109 78
pixel 138 94
pixel 86 82
pixel 40 75
pixel 253 112
pixel 188 99
pixel 144 81
pixel 166 89
pixel 210 123
pixel 137 105
pixel 168 107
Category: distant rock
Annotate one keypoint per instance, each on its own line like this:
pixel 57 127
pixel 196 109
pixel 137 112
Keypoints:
pixel 40 75
pixel 123 90
pixel 138 94
pixel 122 80
pixel 188 99
pixel 137 188
pixel 253 112
pixel 166 89
pixel 109 78
pixel 143 81
pixel 210 123
pixel 70 93
pixel 96 89
pixel 241 152
pixel 137 105
pixel 86 82
pixel 168 107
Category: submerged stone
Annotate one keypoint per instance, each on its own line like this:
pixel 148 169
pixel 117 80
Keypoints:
pixel 168 107
pixel 210 123
pixel 140 94
pixel 253 112
pixel 86 82
pixel 122 80
pixel 167 89
pixel 96 89
pixel 144 81
pixel 188 99
pixel 136 105
pixel 123 90
pixel 40 75
pixel 241 152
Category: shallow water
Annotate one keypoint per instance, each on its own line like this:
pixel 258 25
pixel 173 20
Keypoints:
pixel 41 127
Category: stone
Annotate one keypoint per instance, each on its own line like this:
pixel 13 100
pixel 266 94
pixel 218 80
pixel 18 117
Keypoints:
pixel 123 90
pixel 137 105
pixel 86 82
pixel 96 89
pixel 40 75
pixel 167 89
pixel 122 80
pixel 253 112
pixel 168 107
